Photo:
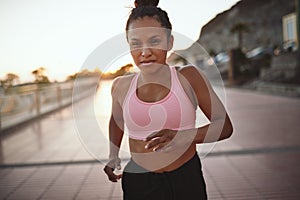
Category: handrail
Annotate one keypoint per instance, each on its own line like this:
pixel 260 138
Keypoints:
pixel 36 101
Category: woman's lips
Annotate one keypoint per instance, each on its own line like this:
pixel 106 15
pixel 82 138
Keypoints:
pixel 145 63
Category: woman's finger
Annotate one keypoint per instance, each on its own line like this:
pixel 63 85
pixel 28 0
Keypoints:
pixel 165 148
pixel 154 135
pixel 155 142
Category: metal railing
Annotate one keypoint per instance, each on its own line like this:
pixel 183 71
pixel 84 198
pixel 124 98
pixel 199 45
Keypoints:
pixel 34 101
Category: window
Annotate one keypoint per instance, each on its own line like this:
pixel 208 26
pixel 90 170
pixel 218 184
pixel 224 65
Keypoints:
pixel 290 31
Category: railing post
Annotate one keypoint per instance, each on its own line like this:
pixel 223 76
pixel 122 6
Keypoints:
pixel 37 101
pixel 0 122
pixel 58 94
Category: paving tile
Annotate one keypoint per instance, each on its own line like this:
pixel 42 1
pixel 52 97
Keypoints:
pixel 4 172
pixel 15 180
pixel 27 193
pixel 97 185
pixel 34 186
pixel 61 192
pixel 5 191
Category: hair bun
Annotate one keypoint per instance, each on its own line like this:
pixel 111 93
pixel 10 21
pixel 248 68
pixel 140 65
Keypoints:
pixel 139 3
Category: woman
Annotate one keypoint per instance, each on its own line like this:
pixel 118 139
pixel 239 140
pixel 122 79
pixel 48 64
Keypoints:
pixel 158 106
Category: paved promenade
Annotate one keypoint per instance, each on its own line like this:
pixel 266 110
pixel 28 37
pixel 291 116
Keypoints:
pixel 59 157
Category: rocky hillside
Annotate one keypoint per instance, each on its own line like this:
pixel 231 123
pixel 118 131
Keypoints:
pixel 263 19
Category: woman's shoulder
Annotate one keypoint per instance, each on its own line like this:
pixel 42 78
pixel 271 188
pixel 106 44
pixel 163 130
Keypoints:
pixel 122 83
pixel 195 77
pixel 190 72
pixel 186 68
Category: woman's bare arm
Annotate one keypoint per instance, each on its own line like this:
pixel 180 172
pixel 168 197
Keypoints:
pixel 116 132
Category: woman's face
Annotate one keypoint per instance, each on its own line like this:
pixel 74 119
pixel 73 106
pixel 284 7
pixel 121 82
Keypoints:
pixel 148 42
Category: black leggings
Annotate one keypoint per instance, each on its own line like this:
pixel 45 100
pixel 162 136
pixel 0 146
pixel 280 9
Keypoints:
pixel 184 183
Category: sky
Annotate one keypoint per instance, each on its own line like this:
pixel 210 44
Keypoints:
pixel 59 35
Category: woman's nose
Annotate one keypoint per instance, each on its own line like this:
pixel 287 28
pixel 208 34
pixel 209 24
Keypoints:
pixel 145 51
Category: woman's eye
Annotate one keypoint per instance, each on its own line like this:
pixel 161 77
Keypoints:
pixel 155 42
pixel 135 44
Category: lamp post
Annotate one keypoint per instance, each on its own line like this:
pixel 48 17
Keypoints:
pixel 298 20
pixel 298 33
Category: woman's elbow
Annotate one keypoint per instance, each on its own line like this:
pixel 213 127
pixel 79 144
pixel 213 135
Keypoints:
pixel 230 130
pixel 227 129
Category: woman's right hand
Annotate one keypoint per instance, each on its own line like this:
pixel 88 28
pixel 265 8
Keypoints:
pixel 109 168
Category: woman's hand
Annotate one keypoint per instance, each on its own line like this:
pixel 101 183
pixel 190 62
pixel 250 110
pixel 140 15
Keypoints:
pixel 109 168
pixel 161 141
pixel 167 140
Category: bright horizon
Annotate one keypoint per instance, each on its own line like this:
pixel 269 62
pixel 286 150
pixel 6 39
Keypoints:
pixel 60 35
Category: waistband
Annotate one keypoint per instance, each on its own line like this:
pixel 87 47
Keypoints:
pixel 133 167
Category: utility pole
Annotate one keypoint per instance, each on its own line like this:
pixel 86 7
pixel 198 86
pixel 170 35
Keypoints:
pixel 298 21
pixel 298 33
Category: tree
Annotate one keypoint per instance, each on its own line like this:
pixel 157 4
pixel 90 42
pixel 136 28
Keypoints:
pixel 85 73
pixel 12 79
pixel 240 29
pixel 39 75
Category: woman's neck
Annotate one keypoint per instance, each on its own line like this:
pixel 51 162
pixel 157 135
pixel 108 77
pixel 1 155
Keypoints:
pixel 161 76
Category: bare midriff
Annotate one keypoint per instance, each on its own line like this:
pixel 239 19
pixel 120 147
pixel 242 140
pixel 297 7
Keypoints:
pixel 160 161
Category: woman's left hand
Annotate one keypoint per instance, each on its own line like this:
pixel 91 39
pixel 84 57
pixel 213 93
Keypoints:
pixel 167 140
pixel 160 141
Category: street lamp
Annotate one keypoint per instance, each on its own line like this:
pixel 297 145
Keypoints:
pixel 298 33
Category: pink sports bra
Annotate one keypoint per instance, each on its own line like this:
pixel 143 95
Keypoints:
pixel 175 111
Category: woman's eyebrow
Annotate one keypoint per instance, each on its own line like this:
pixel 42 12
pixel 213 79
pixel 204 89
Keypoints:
pixel 154 36
pixel 133 39
pixel 137 39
